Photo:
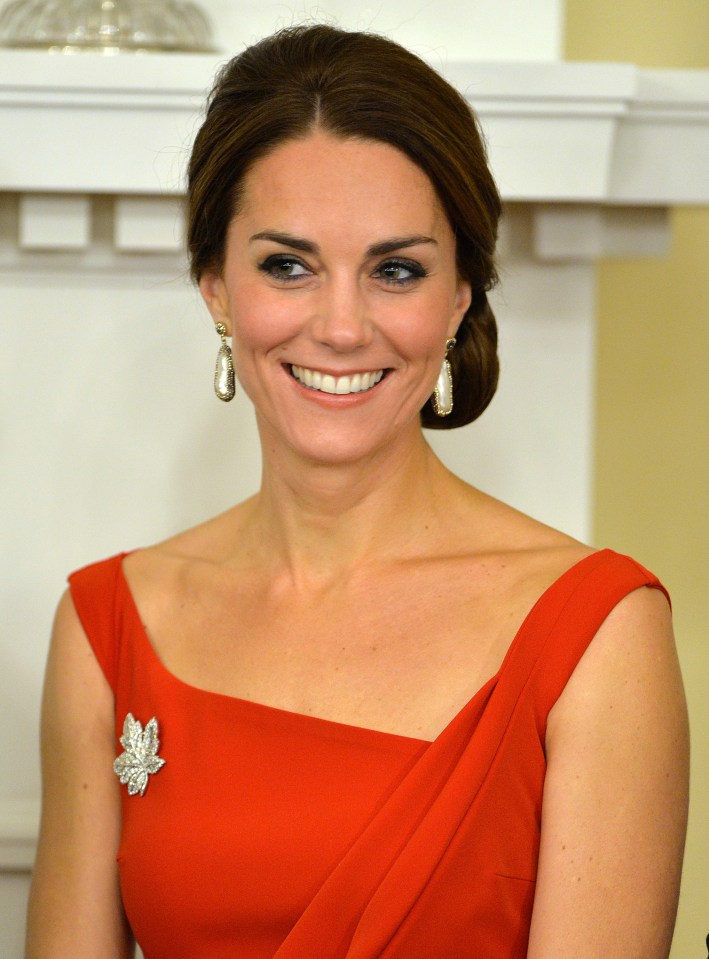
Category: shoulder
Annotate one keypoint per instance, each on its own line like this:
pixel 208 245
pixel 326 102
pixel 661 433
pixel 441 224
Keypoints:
pixel 80 821
pixel 615 794
pixel 70 652
pixel 77 703
pixel 624 703
pixel 632 658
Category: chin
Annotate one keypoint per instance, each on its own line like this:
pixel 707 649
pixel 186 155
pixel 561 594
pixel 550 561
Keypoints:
pixel 331 452
pixel 343 447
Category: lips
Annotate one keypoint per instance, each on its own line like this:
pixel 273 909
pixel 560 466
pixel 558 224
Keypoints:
pixel 338 385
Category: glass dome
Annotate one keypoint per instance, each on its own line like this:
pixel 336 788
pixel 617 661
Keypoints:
pixel 108 26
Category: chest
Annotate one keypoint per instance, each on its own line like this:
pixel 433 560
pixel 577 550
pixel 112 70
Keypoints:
pixel 399 653
pixel 256 810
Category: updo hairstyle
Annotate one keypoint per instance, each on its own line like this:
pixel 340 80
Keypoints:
pixel 355 85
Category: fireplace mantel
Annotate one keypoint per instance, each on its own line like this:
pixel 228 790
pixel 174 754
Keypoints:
pixel 609 142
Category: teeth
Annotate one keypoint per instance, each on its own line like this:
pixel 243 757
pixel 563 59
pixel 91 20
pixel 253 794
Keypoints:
pixel 337 385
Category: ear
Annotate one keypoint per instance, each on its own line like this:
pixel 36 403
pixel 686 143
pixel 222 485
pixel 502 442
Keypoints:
pixel 463 299
pixel 214 294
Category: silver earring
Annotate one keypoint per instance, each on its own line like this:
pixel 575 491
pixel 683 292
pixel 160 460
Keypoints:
pixel 224 382
pixel 442 398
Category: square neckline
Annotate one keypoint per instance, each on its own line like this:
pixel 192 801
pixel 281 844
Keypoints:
pixel 292 717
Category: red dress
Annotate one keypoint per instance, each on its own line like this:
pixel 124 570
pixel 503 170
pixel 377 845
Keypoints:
pixel 267 833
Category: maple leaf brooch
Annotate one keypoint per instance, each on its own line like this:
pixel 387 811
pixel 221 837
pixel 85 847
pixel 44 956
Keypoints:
pixel 140 758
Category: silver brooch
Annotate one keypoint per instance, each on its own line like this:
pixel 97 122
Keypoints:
pixel 140 758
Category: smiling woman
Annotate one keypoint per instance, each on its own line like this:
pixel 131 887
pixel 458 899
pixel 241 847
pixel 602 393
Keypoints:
pixel 369 712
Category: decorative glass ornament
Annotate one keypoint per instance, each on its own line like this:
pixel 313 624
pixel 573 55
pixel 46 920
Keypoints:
pixel 106 26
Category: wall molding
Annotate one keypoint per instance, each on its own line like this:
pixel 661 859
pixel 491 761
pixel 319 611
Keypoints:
pixel 557 132
pixel 600 150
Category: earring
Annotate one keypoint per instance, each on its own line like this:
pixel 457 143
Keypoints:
pixel 442 398
pixel 224 385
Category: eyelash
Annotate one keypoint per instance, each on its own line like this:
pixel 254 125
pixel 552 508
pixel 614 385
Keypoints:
pixel 273 264
pixel 417 271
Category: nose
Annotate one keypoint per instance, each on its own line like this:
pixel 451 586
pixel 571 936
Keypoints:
pixel 342 319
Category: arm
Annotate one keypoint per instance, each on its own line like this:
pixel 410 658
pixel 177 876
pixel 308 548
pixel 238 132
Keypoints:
pixel 75 909
pixel 615 797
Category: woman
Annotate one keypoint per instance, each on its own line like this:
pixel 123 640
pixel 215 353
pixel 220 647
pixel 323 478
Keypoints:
pixel 370 711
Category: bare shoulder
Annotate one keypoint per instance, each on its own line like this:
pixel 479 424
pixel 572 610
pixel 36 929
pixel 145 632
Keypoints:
pixel 632 659
pixel 615 796
pixel 625 699
pixel 72 665
pixel 80 824
pixel 77 708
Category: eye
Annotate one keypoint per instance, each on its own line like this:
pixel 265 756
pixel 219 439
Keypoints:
pixel 400 272
pixel 283 266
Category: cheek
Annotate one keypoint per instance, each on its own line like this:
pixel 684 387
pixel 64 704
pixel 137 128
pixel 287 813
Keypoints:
pixel 263 319
pixel 422 325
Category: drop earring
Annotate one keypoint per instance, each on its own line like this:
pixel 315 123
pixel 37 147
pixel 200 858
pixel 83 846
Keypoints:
pixel 224 382
pixel 442 398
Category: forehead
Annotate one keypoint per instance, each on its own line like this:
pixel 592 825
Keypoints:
pixel 324 177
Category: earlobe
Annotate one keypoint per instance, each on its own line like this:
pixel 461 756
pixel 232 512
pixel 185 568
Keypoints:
pixel 214 294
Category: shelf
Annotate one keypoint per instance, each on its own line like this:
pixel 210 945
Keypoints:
pixel 557 132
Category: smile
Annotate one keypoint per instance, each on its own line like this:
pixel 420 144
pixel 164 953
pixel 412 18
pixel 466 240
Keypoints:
pixel 339 385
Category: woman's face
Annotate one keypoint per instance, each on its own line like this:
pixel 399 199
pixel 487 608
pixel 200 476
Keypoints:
pixel 339 289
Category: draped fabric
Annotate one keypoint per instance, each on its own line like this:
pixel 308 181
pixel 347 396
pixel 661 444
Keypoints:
pixel 273 834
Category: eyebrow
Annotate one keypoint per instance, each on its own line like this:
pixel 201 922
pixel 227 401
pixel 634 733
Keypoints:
pixel 377 249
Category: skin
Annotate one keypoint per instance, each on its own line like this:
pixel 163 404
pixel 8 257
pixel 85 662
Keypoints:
pixel 362 560
pixel 338 309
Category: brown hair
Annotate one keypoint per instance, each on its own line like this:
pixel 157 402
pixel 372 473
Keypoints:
pixel 364 86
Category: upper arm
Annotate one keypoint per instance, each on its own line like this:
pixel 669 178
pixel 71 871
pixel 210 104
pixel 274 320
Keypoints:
pixel 615 797
pixel 75 906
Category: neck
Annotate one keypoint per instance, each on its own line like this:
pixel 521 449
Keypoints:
pixel 322 521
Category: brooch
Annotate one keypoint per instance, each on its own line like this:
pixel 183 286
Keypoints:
pixel 140 758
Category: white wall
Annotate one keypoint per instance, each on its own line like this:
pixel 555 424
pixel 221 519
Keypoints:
pixel 450 29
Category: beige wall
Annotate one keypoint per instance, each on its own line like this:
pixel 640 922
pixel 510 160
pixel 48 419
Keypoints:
pixel 652 447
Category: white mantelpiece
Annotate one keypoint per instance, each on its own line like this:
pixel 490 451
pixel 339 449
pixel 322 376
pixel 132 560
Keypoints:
pixel 560 134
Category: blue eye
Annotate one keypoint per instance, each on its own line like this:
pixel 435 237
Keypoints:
pixel 401 272
pixel 282 266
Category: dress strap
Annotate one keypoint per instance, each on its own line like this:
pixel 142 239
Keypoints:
pixel 564 621
pixel 94 590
